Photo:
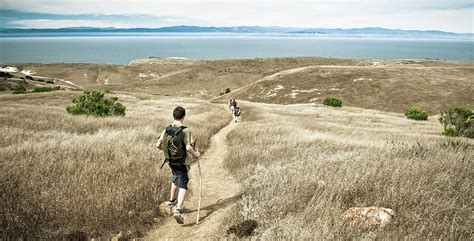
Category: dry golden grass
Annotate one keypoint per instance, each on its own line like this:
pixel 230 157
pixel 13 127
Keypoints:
pixel 388 87
pixel 197 78
pixel 64 175
pixel 304 165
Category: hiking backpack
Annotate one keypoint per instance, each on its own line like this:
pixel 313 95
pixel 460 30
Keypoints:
pixel 173 145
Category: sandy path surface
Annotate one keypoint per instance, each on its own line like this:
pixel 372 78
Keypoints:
pixel 220 192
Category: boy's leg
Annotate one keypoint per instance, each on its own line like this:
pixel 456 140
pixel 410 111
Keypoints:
pixel 181 196
pixel 173 192
pixel 181 182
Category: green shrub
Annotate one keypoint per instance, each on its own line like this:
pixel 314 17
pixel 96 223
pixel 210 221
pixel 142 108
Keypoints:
pixel 458 121
pixel 46 88
pixel 450 132
pixel 118 109
pixel 93 103
pixel 416 114
pixel 3 88
pixel 227 90
pixel 19 89
pixel 332 101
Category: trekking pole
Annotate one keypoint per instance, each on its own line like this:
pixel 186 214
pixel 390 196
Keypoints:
pixel 200 188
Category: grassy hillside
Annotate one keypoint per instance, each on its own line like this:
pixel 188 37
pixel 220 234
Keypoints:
pixel 65 175
pixel 388 87
pixel 304 165
pixel 175 77
pixel 383 85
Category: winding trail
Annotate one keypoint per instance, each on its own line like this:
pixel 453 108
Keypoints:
pixel 269 77
pixel 220 192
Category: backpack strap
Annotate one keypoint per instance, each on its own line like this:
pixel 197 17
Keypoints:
pixel 181 128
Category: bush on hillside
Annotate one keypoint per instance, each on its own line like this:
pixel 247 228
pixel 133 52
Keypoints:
pixel 450 132
pixel 416 114
pixel 19 89
pixel 458 121
pixel 93 103
pixel 226 91
pixel 333 101
pixel 46 88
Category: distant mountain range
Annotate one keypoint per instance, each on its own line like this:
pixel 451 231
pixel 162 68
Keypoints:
pixel 374 31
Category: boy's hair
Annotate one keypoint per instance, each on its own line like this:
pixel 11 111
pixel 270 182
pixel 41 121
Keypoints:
pixel 179 113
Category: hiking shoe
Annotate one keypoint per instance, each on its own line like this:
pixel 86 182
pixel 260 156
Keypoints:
pixel 171 203
pixel 178 215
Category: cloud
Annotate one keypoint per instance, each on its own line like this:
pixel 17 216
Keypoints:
pixel 18 19
pixel 453 15
pixel 48 23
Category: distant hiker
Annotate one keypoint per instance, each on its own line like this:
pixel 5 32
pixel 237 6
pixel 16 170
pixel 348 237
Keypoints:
pixel 176 143
pixel 230 105
pixel 236 114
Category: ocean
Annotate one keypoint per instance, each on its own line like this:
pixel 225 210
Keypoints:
pixel 121 49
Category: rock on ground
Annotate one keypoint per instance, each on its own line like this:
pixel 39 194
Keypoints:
pixel 367 217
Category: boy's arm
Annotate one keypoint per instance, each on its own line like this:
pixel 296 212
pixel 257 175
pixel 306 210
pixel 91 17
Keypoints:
pixel 159 143
pixel 188 140
pixel 192 151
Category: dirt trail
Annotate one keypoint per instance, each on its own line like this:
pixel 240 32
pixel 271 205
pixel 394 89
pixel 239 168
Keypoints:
pixel 220 192
pixel 269 77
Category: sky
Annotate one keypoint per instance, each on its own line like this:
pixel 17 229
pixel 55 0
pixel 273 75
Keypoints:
pixel 445 15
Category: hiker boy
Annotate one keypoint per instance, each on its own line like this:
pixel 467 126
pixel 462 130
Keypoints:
pixel 176 143
pixel 232 105
pixel 236 114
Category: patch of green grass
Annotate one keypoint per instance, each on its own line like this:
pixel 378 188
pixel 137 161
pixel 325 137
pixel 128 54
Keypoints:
pixel 45 89
pixel 450 132
pixel 19 89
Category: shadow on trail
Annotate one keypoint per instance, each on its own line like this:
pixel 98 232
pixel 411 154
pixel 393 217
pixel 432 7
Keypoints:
pixel 212 208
